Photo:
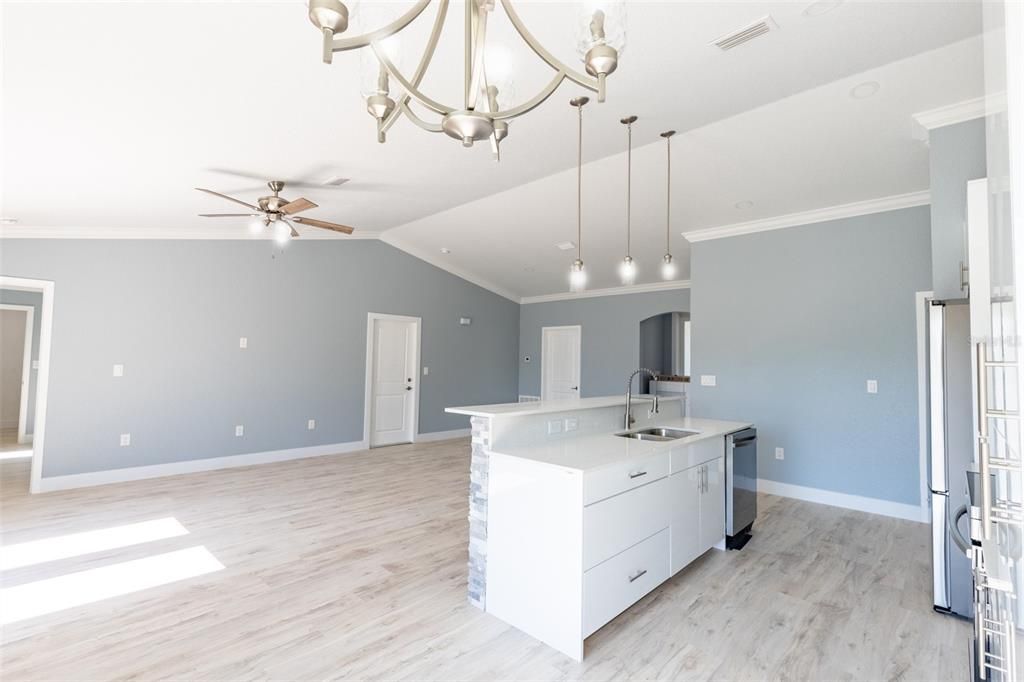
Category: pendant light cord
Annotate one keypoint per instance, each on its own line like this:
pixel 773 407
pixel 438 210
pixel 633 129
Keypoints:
pixel 629 183
pixel 579 186
pixel 668 195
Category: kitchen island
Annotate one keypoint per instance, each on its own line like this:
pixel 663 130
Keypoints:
pixel 571 523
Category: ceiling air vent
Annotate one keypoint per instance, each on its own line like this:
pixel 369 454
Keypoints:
pixel 746 34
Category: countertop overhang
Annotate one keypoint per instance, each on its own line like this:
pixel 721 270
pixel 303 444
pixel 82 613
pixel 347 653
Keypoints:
pixel 549 406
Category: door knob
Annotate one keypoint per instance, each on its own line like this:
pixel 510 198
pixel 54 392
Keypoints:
pixel 575 388
pixel 408 388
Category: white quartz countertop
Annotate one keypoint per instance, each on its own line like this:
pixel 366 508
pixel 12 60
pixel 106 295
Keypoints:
pixel 545 406
pixel 593 451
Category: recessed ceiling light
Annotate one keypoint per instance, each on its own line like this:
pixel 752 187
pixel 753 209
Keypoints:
pixel 8 221
pixel 445 250
pixel 566 246
pixel 744 204
pixel 527 269
pixel 864 90
pixel 816 9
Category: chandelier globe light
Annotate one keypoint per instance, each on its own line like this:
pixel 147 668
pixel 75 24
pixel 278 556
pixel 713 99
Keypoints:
pixel 485 111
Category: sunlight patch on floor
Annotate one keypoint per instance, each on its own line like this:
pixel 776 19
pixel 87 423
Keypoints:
pixel 15 454
pixel 88 542
pixel 87 587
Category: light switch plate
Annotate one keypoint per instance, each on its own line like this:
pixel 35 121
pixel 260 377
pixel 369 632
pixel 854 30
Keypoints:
pixel 572 423
pixel 118 370
pixel 126 439
pixel 426 371
pixel 708 380
pixel 35 364
pixel 780 453
pixel 311 424
pixel 243 342
pixel 554 426
pixel 872 386
pixel 239 430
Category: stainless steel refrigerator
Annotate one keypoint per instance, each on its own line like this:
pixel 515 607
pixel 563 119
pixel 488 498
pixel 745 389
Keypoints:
pixel 951 449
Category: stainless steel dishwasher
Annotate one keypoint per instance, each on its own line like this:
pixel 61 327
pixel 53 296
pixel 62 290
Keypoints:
pixel 740 486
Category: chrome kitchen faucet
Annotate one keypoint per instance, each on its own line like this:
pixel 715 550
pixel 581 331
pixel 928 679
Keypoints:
pixel 628 419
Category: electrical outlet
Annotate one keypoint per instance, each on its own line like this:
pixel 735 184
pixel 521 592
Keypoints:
pixel 118 370
pixel 126 439
pixel 243 342
pixel 239 430
pixel 780 453
pixel 311 424
pixel 872 386
pixel 572 423
pixel 708 380
pixel 554 426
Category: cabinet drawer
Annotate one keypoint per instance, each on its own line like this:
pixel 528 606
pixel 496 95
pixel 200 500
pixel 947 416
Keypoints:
pixel 623 476
pixel 612 587
pixel 691 455
pixel 617 523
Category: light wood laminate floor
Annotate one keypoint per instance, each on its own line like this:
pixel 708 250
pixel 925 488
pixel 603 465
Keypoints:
pixel 354 566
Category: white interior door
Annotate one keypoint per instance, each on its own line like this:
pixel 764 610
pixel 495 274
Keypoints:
pixel 394 394
pixel 560 363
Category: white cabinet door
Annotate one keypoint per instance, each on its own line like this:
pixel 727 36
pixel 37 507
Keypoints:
pixel 712 504
pixel 685 528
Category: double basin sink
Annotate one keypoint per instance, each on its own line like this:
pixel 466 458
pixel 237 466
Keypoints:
pixel 659 434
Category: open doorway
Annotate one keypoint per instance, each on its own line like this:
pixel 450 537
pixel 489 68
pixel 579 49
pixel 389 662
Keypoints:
pixel 26 318
pixel 665 349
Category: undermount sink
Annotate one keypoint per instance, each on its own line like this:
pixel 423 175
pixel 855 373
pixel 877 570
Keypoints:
pixel 658 434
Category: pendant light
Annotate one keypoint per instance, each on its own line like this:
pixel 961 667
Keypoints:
pixel 577 275
pixel 668 268
pixel 627 269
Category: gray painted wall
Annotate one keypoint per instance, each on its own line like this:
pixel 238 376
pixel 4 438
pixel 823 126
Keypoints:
pixel 610 344
pixel 172 312
pixel 956 155
pixel 34 299
pixel 793 322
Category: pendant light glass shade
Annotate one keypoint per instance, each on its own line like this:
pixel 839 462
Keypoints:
pixel 577 273
pixel 627 269
pixel 668 267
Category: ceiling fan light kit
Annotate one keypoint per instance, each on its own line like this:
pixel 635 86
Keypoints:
pixel 481 115
pixel 276 213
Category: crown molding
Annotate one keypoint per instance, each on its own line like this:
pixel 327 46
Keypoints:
pixel 36 232
pixel 610 291
pixel 818 215
pixel 947 116
pixel 440 263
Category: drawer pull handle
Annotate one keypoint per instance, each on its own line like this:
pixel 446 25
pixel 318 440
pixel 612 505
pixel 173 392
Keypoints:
pixel 637 474
pixel 634 578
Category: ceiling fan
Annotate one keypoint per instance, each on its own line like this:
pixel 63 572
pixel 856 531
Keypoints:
pixel 276 213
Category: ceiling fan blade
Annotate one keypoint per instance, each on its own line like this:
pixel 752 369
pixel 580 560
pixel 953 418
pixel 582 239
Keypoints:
pixel 230 215
pixel 295 233
pixel 296 206
pixel 324 224
pixel 225 196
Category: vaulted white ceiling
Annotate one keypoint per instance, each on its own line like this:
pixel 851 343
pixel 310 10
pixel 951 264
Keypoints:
pixel 114 111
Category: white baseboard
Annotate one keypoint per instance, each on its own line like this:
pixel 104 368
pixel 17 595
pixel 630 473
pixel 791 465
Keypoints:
pixel 442 435
pixel 51 483
pixel 872 505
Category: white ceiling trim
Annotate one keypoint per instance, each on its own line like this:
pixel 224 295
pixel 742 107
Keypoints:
pixel 610 291
pixel 950 114
pixel 235 233
pixel 437 262
pixel 818 215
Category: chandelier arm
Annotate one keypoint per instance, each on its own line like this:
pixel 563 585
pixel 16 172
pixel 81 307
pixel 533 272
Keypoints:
pixel 592 84
pixel 531 104
pixel 410 89
pixel 473 86
pixel 421 68
pixel 426 125
pixel 355 42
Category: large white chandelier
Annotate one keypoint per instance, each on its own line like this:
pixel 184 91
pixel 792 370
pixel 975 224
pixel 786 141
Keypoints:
pixel 482 114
